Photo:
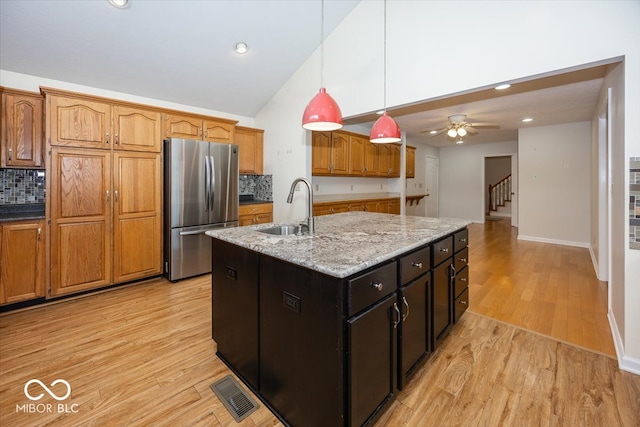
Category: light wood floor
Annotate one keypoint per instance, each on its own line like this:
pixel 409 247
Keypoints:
pixel 142 355
pixel 546 288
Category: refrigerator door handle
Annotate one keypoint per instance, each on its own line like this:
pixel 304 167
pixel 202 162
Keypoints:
pixel 213 181
pixel 206 184
pixel 192 233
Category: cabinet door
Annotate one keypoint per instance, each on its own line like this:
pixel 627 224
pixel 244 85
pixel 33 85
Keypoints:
pixel 371 359
pixel 137 224
pixel 218 131
pixel 413 330
pixel 394 206
pixel 339 153
pixel 22 131
pixel 384 160
pixel 79 123
pixel 179 126
pixel 371 161
pixel 441 302
pixel 410 168
pixel 80 220
pixel 136 130
pixel 21 262
pixel 321 153
pixel 394 160
pixel 250 145
pixel 356 156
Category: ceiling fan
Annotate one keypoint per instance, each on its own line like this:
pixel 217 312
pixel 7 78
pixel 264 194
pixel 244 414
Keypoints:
pixel 458 127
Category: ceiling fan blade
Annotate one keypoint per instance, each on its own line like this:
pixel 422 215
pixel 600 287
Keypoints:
pixel 471 130
pixel 485 125
pixel 438 131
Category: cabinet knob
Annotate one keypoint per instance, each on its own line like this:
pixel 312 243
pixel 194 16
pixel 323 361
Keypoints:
pixel 463 279
pixel 377 286
pixel 445 250
pixel 463 240
pixel 462 259
pixel 416 264
pixel 462 302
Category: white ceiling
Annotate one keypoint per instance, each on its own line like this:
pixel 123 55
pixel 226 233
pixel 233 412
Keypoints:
pixel 181 52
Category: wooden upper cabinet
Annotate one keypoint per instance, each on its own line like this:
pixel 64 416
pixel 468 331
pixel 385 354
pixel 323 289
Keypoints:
pixel 22 130
pixel 250 144
pixel 394 160
pixel 79 123
pixel 357 148
pixel 321 153
pixel 410 168
pixel 135 129
pixel 22 271
pixel 371 161
pixel 384 160
pixel 339 153
pixel 195 127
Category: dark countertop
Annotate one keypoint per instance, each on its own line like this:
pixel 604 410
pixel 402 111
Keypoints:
pixel 23 212
pixel 247 199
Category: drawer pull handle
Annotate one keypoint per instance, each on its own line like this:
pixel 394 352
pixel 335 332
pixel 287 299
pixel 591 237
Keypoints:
pixel 462 240
pixel 10 154
pixel 377 286
pixel 463 302
pixel 416 264
pixel 463 279
pixel 445 250
pixel 462 259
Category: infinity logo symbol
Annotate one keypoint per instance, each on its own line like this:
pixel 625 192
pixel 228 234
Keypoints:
pixel 52 394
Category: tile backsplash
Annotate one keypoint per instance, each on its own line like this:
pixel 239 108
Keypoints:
pixel 259 186
pixel 21 186
pixel 634 203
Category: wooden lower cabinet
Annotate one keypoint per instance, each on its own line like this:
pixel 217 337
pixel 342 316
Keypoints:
pixel 22 273
pixel 106 226
pixel 391 205
pixel 259 213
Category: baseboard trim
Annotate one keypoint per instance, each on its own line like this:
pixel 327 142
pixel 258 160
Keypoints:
pixel 554 241
pixel 625 363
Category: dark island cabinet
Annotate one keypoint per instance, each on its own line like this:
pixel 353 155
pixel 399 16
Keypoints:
pixel 325 351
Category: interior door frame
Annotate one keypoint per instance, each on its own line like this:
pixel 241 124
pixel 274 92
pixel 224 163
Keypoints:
pixel 435 199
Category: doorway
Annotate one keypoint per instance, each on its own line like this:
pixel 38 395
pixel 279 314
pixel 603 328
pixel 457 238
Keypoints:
pixel 501 171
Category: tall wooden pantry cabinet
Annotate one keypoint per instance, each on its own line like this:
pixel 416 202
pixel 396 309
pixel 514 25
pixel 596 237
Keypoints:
pixel 104 191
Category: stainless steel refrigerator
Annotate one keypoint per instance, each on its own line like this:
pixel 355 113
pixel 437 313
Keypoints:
pixel 201 193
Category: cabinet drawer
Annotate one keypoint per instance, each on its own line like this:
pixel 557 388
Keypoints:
pixel 460 305
pixel 442 250
pixel 460 240
pixel 255 209
pixel 461 281
pixel 371 287
pixel 461 259
pixel 414 264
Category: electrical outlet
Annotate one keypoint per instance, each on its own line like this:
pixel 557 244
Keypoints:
pixel 382 186
pixel 317 187
pixel 352 188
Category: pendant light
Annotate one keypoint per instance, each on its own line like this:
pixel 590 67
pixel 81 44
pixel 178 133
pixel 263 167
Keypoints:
pixel 322 112
pixel 385 129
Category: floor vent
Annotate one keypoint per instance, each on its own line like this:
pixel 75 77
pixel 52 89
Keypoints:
pixel 239 404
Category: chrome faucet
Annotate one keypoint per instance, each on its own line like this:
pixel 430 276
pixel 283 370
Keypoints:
pixel 310 220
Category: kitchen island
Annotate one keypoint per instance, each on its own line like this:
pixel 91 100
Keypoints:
pixel 326 328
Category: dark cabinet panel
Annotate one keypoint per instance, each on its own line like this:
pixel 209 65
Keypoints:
pixel 413 301
pixel 461 281
pixel 301 343
pixel 234 299
pixel 461 259
pixel 460 239
pixel 442 250
pixel 414 265
pixel 371 360
pixel 371 287
pixel 441 302
pixel 461 304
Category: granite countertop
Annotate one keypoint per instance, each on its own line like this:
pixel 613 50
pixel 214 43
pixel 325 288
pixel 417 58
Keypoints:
pixel 346 243
pixel 21 212
pixel 254 202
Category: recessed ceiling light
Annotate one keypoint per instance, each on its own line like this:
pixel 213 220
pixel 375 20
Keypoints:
pixel 527 119
pixel 241 47
pixel 503 86
pixel 120 4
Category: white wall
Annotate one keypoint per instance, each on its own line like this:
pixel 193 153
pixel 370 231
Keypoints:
pixel 462 190
pixel 554 172
pixel 419 40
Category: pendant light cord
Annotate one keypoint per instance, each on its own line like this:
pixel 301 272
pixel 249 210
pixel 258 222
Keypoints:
pixel 322 43
pixel 385 57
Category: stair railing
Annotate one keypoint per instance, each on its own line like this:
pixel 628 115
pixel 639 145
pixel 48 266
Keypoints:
pixel 500 193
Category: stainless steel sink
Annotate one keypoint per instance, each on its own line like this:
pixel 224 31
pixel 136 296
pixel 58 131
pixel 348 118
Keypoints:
pixel 285 229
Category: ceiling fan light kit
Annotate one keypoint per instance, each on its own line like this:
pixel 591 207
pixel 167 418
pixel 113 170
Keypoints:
pixel 322 113
pixel 385 130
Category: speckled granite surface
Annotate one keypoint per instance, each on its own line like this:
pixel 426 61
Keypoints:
pixel 345 243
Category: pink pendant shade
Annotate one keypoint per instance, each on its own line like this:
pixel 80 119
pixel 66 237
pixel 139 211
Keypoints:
pixel 385 130
pixel 322 113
